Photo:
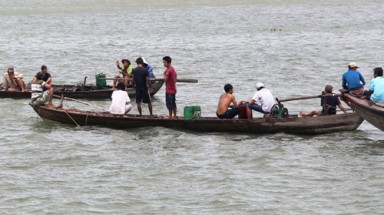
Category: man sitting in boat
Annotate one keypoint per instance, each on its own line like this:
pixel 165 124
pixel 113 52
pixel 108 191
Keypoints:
pixel 44 76
pixel 125 69
pixel 225 101
pixel 352 81
pixel 41 92
pixel 264 97
pixel 13 81
pixel 121 104
pixel 377 85
pixel 329 101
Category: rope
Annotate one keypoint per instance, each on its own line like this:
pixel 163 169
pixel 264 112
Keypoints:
pixel 71 118
pixel 86 120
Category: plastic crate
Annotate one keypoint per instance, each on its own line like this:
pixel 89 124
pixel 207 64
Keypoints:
pixel 192 112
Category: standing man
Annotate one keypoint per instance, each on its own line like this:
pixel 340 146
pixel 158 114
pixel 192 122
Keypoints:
pixel 264 97
pixel 13 81
pixel 377 85
pixel 46 77
pixel 142 82
pixel 170 77
pixel 353 81
pixel 226 99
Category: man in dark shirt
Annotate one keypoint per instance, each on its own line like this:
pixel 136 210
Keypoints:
pixel 329 102
pixel 141 80
pixel 43 75
pixel 46 77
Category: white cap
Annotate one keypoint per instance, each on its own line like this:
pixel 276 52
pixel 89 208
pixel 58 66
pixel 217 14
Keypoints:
pixel 144 61
pixel 259 85
pixel 353 65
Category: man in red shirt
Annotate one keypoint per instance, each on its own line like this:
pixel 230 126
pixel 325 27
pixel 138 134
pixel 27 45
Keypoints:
pixel 170 77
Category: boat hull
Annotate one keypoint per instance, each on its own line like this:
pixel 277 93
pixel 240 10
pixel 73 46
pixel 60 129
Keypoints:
pixel 297 125
pixel 73 91
pixel 368 110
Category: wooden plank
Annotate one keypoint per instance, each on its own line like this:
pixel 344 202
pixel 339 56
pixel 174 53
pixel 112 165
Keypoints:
pixel 184 80
pixel 306 97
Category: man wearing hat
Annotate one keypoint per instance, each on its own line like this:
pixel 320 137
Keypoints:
pixel 264 97
pixel 149 68
pixel 352 81
pixel 125 69
pixel 13 81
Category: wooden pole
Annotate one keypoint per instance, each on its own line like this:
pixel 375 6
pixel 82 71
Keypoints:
pixel 185 80
pixel 75 100
pixel 307 97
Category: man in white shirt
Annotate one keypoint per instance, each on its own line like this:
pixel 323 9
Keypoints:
pixel 13 81
pixel 121 104
pixel 264 97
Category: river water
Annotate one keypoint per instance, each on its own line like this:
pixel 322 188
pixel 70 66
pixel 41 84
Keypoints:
pixel 295 47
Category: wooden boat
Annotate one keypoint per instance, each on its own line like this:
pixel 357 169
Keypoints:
pixel 82 91
pixel 371 111
pixel 291 124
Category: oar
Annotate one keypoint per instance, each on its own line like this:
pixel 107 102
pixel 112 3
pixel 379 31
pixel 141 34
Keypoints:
pixel 306 97
pixel 75 100
pixel 185 80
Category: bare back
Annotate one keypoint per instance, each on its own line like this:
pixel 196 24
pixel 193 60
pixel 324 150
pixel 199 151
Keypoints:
pixel 225 101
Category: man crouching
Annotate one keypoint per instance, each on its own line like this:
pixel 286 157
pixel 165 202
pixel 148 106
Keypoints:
pixel 41 93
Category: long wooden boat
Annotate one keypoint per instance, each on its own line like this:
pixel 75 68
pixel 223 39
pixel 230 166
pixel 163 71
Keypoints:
pixel 371 111
pixel 292 124
pixel 81 91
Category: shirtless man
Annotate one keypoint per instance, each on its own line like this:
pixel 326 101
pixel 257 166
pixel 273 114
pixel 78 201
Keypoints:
pixel 225 101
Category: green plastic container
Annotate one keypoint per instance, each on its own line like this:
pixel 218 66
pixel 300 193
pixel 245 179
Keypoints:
pixel 192 112
pixel 100 83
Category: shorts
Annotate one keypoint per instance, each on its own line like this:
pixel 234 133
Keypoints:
pixel 229 114
pixel 142 95
pixel 41 100
pixel 128 107
pixel 170 100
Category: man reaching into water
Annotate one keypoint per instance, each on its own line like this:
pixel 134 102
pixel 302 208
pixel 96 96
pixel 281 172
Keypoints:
pixel 225 101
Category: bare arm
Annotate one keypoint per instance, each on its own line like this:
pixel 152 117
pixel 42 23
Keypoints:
pixel 49 80
pixel 342 108
pixel 118 65
pixel 165 77
pixel 234 102
pixel 149 82
pixel 5 83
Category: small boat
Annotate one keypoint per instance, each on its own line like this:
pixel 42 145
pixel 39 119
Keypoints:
pixel 83 91
pixel 262 125
pixel 371 111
